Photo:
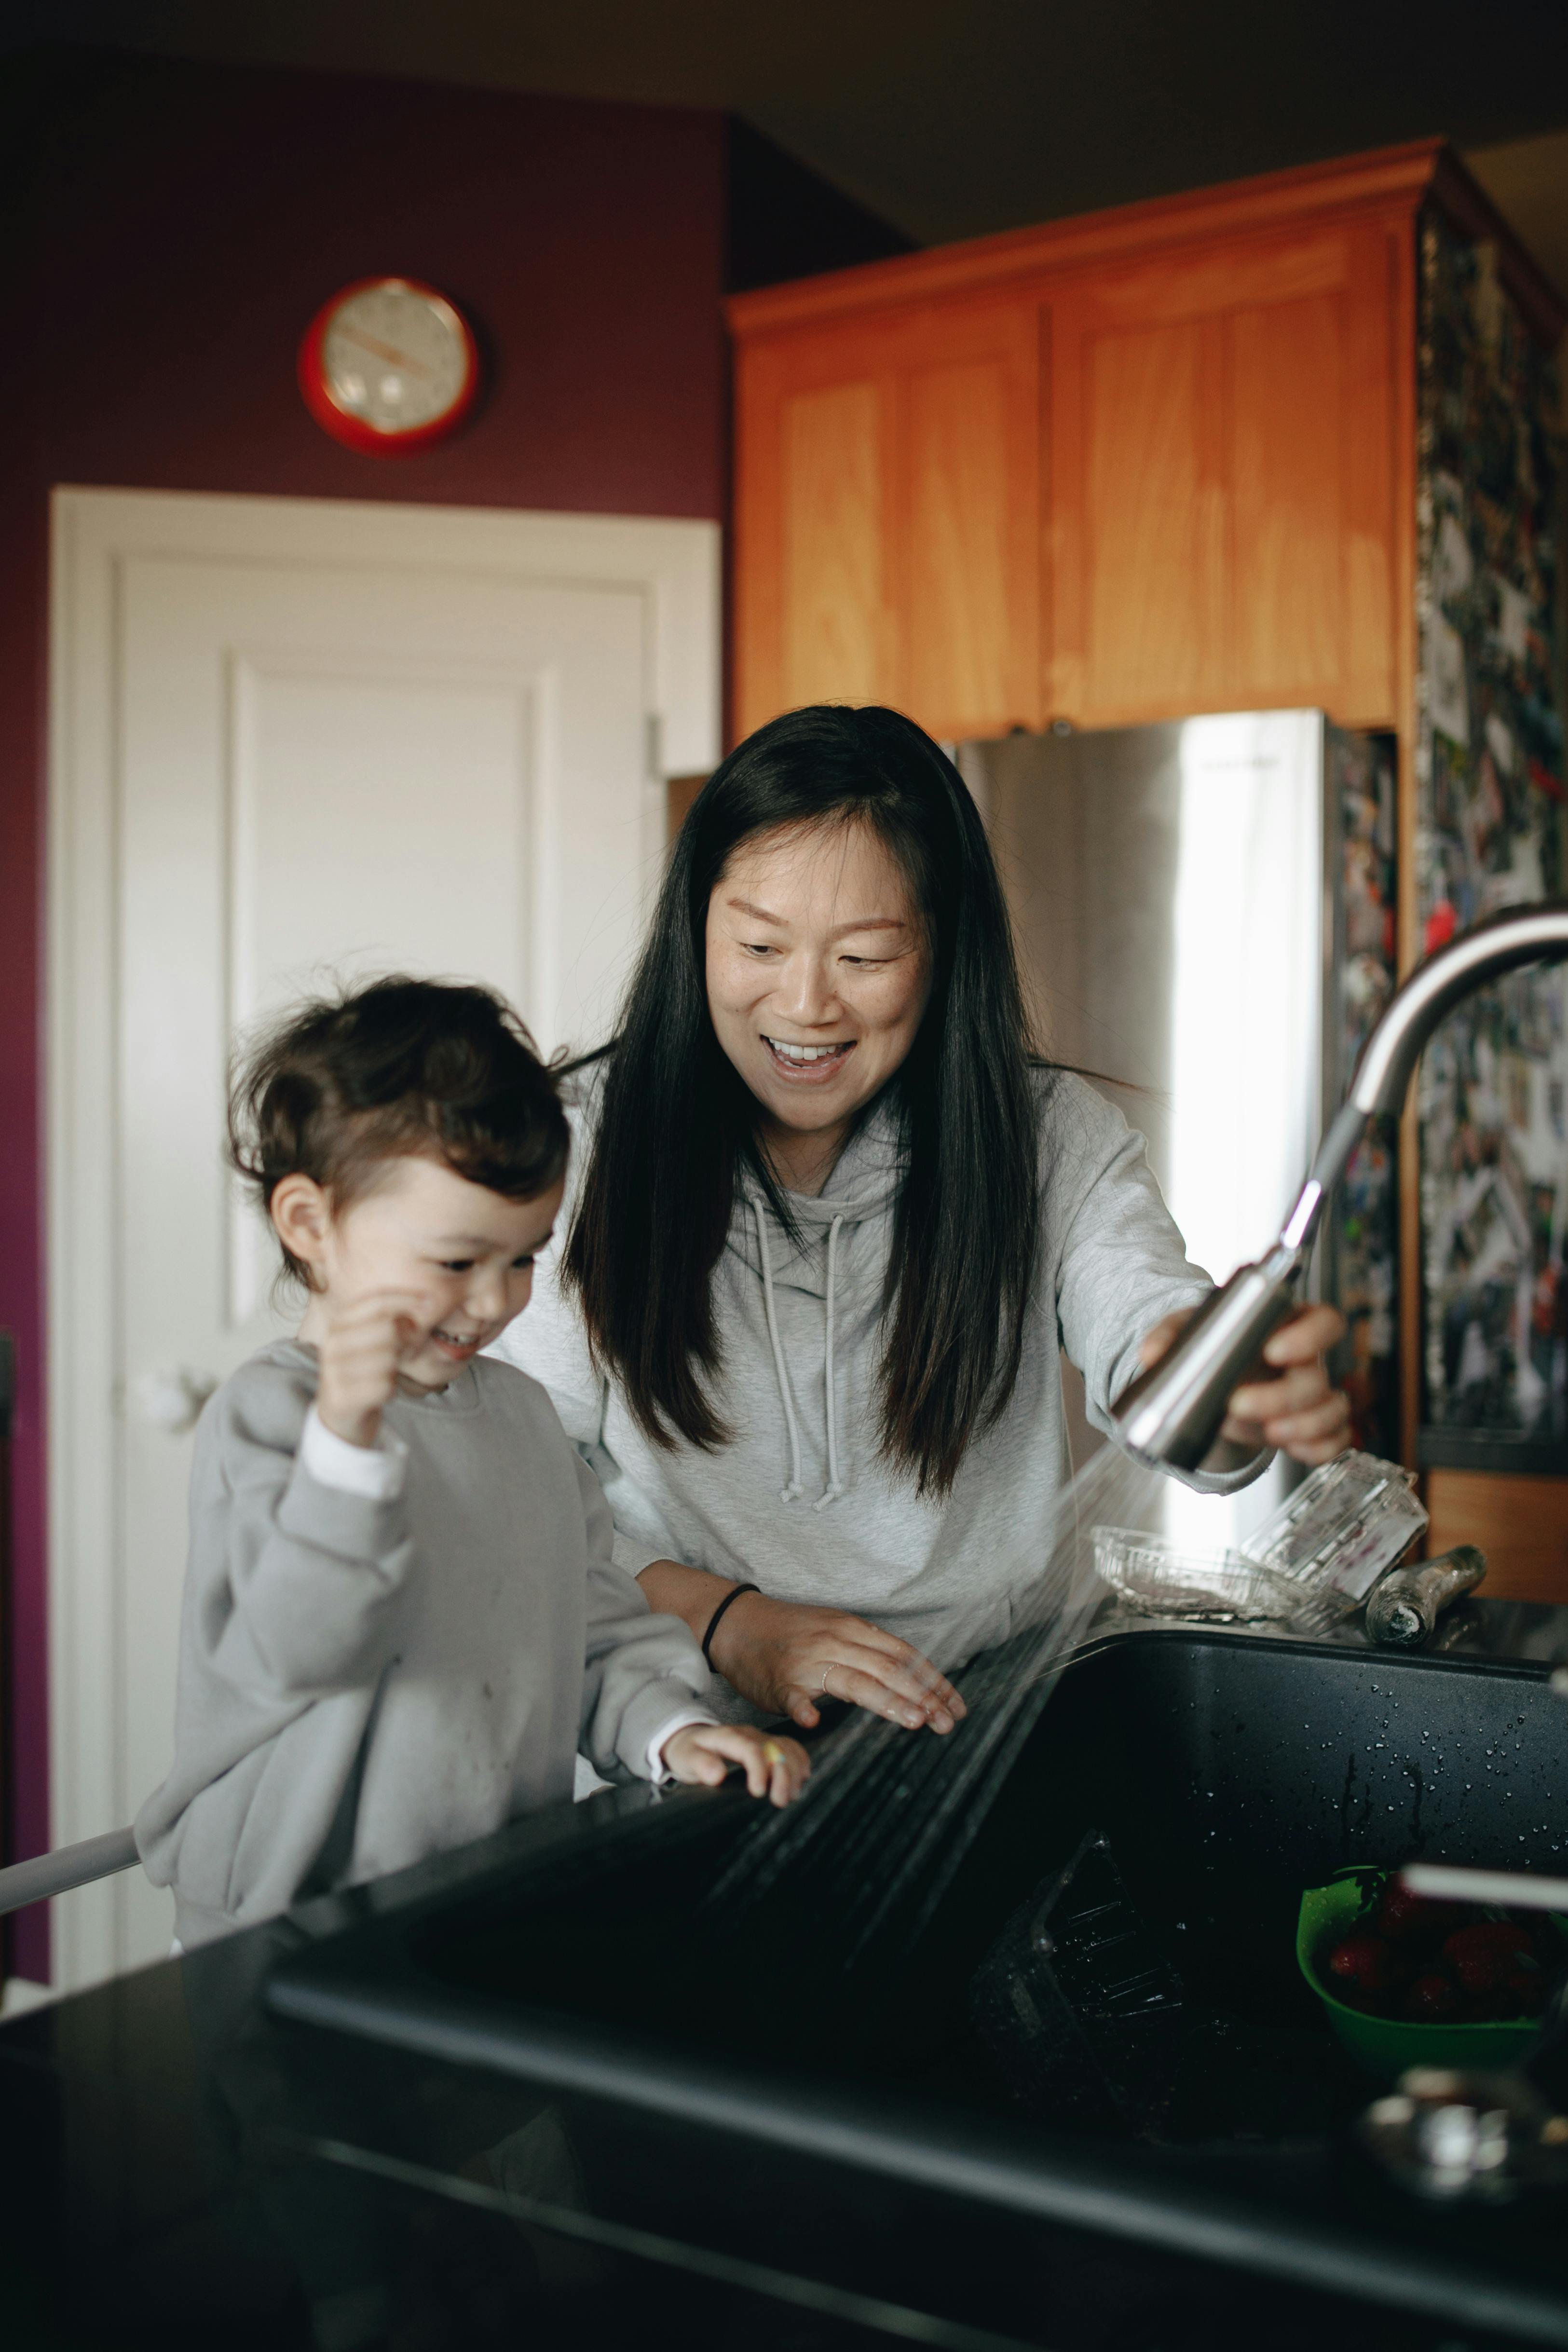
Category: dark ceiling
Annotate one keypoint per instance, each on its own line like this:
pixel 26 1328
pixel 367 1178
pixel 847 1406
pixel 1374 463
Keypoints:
pixel 947 117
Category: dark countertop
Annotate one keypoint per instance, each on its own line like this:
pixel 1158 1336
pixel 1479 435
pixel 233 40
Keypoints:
pixel 180 2167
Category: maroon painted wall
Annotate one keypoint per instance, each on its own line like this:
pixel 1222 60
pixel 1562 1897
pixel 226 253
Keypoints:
pixel 178 226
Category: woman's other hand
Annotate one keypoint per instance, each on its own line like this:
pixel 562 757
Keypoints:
pixel 1299 1409
pixel 787 1657
pixel 702 1753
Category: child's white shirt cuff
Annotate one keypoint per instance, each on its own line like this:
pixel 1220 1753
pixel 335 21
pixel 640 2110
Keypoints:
pixel 376 1471
pixel 657 1772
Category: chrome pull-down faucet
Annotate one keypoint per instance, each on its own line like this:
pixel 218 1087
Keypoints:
pixel 1172 1413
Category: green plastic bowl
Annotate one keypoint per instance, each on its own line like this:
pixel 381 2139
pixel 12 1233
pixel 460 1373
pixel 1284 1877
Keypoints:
pixel 1385 2046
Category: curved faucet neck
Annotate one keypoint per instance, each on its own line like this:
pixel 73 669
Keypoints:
pixel 1523 935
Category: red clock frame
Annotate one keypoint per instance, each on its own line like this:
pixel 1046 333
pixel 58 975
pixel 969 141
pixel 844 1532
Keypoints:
pixel 316 390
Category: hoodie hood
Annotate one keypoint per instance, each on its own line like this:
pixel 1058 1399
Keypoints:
pixel 859 1199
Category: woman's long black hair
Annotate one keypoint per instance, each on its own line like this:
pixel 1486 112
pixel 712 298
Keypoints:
pixel 678 1123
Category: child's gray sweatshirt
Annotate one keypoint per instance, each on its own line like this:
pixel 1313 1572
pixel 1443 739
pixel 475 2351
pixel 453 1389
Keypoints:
pixel 389 1651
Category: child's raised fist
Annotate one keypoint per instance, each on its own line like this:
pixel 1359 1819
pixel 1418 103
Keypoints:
pixel 359 1352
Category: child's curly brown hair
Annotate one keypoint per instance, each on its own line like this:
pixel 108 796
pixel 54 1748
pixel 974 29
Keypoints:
pixel 397 1070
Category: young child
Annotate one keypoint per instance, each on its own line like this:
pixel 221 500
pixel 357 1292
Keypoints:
pixel 402 1617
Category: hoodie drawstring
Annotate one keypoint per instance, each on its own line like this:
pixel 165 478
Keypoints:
pixel 790 1492
pixel 833 1490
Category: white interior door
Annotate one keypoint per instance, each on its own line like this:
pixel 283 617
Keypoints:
pixel 321 754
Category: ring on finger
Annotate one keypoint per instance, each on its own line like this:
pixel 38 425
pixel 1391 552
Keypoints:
pixel 827 1670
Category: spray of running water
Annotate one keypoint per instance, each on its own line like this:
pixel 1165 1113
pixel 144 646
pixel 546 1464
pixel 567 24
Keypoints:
pixel 889 1815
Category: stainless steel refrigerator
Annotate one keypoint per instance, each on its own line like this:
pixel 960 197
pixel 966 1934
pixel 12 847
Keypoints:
pixel 1204 911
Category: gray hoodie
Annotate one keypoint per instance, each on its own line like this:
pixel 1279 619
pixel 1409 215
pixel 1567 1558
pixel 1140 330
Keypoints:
pixel 802 1502
pixel 388 1650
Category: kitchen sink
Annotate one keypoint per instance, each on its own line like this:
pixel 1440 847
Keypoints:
pixel 1227 1774
pixel 1225 1771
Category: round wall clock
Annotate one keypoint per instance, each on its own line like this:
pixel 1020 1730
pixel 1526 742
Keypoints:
pixel 389 366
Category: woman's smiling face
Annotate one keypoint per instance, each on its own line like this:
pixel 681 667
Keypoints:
pixel 818 976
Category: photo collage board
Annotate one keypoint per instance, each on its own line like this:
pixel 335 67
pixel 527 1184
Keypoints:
pixel 1489 779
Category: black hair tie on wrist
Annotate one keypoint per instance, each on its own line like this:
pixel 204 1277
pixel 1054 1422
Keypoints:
pixel 733 1594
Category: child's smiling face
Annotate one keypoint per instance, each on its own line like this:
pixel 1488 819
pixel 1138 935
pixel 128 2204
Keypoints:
pixel 464 1254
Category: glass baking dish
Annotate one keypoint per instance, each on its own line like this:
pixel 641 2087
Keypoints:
pixel 1161 1579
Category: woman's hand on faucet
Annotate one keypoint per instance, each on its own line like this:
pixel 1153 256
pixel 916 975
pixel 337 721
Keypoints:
pixel 1298 1410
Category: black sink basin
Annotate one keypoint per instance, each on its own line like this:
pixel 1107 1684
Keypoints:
pixel 1226 1772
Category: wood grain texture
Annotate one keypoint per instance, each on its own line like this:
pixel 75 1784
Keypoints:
pixel 959 499
pixel 1520 1524
pixel 836 622
pixel 1376 371
pixel 1387 179
pixel 970 483
pixel 888 520
pixel 757 550
pixel 1151 545
pixel 1222 527
pixel 1192 506
pixel 1288 436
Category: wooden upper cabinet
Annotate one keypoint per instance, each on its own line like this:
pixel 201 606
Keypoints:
pixel 888 527
pixel 1222 433
pixel 1148 462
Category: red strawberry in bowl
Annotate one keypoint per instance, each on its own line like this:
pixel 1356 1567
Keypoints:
pixel 1431 2000
pixel 1363 1964
pixel 1483 1956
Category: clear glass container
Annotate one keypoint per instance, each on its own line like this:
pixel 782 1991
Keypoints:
pixel 1161 1579
pixel 1337 1533
pixel 1313 1563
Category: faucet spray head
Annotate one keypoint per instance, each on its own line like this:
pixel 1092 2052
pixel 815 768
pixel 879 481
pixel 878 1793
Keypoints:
pixel 1172 1413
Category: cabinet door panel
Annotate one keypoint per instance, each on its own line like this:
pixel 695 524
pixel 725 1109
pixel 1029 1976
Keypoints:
pixel 888 521
pixel 836 628
pixel 970 663
pixel 1286 373
pixel 1222 441
pixel 1153 515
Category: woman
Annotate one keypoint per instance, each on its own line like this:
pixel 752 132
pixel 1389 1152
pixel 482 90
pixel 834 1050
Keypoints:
pixel 829 1225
